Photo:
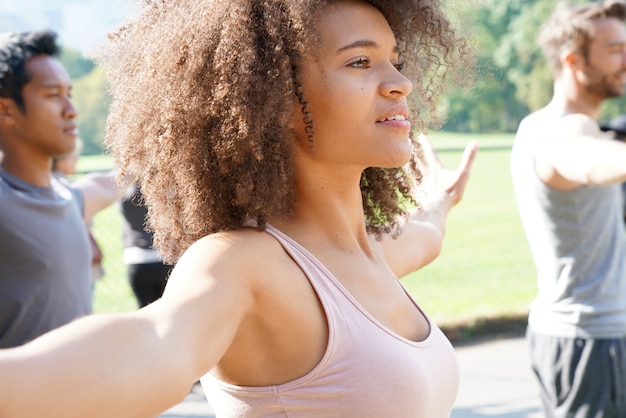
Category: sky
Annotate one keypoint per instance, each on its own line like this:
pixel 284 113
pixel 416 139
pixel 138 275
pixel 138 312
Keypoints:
pixel 81 24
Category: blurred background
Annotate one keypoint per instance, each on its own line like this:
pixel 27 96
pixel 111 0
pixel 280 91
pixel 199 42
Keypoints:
pixel 510 80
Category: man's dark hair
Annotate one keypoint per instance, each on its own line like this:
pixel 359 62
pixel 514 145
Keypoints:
pixel 16 49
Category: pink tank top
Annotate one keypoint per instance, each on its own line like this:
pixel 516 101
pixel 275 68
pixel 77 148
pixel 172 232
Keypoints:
pixel 366 371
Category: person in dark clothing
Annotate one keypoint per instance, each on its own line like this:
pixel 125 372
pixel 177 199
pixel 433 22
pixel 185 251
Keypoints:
pixel 146 271
pixel 616 128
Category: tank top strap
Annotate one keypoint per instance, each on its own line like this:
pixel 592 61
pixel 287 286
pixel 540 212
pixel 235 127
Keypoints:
pixel 312 267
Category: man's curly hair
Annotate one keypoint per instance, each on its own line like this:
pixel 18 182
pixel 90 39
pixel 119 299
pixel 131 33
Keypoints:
pixel 202 112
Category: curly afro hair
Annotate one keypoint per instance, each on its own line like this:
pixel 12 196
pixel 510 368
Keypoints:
pixel 202 112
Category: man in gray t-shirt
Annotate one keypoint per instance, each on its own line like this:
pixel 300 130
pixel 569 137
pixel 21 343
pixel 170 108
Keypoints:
pixel 45 257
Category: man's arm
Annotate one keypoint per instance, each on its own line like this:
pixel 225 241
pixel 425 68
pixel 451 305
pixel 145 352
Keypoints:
pixel 99 190
pixel 574 153
pixel 421 237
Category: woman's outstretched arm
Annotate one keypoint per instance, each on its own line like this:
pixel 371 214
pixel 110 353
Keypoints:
pixel 135 364
pixel 421 237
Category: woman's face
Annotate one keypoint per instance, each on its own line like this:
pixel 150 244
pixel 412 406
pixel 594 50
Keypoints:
pixel 356 94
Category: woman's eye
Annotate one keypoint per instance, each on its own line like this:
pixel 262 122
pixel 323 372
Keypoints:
pixel 399 66
pixel 361 63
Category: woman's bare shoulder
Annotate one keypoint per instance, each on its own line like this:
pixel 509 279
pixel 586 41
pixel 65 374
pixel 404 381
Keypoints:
pixel 238 253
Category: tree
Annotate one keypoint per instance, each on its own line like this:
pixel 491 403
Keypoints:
pixel 92 101
pixel 89 96
pixel 76 64
pixel 492 104
pixel 513 77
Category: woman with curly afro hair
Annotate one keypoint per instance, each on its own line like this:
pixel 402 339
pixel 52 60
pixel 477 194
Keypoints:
pixel 274 143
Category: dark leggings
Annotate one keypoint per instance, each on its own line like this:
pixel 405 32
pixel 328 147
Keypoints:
pixel 148 281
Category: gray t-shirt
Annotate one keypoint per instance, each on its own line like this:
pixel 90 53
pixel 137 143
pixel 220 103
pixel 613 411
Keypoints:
pixel 45 259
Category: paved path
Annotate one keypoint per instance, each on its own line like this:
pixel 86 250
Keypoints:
pixel 495 382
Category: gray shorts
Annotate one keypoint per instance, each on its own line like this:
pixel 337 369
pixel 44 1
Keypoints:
pixel 580 378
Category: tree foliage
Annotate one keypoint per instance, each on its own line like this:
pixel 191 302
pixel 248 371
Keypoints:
pixel 76 64
pixel 513 78
pixel 90 98
pixel 92 101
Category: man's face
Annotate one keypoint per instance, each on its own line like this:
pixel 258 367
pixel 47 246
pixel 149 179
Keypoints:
pixel 604 70
pixel 46 125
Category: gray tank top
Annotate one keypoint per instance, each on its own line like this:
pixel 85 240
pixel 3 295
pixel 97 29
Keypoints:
pixel 577 241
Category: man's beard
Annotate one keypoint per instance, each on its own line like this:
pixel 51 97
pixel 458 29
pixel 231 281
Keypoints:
pixel 602 85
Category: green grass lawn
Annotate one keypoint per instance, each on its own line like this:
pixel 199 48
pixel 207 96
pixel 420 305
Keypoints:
pixel 112 293
pixel 484 270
